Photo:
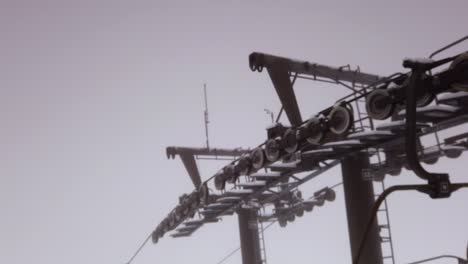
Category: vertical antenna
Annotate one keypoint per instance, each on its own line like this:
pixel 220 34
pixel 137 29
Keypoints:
pixel 272 115
pixel 206 117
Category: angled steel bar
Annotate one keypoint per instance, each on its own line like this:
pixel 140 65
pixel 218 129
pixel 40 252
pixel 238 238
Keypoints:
pixel 192 168
pixel 284 88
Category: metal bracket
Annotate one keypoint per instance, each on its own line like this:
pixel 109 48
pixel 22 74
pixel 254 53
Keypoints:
pixel 439 182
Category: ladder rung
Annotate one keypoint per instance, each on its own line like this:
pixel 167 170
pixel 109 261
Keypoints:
pixel 385 239
pixel 361 119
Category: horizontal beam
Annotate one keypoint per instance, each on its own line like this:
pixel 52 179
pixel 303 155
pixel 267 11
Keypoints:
pixel 258 61
pixel 172 151
pixel 187 155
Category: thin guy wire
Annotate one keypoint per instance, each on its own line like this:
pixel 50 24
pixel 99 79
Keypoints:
pixel 140 248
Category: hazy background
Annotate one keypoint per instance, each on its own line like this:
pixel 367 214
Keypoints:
pixel 91 93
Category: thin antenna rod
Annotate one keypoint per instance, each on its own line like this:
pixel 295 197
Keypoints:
pixel 206 117
pixel 272 115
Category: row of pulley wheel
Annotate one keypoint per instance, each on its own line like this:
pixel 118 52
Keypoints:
pixel 388 98
pixel 188 204
pixel 283 142
pixel 287 212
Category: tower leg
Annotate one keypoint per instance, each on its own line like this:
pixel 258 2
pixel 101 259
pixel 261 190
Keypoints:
pixel 359 199
pixel 249 239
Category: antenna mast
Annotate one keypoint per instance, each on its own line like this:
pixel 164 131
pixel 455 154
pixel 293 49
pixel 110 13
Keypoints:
pixel 206 117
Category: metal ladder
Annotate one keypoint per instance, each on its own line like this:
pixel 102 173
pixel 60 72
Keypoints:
pixel 383 219
pixel 360 110
pixel 261 237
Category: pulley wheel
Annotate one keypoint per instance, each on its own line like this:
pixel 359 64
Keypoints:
pixel 244 165
pixel 282 221
pixel 460 61
pixel 155 236
pixel 431 161
pixel 203 194
pixel 272 150
pixel 186 209
pixel 289 141
pixel 341 120
pixel 319 202
pixel 308 207
pixel 258 158
pixel 330 195
pixel 314 131
pixel 178 214
pixel 230 173
pixel 453 153
pixel 379 104
pixel 291 217
pixel 219 181
pixel 297 195
pixel 171 222
pixel 300 211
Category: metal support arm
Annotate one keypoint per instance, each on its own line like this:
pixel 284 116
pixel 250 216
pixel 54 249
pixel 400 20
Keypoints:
pixel 439 181
pixel 259 60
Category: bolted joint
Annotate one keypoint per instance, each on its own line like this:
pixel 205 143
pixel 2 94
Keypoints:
pixel 438 186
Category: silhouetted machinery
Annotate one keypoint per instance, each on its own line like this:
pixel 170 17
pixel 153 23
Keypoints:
pixel 383 117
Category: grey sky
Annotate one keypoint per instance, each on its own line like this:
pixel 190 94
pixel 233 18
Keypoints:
pixel 91 93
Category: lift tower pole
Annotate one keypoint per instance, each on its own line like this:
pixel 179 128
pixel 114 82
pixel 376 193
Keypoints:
pixel 359 199
pixel 249 239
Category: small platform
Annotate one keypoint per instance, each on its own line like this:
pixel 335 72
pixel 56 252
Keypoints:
pixel 399 126
pixel 181 234
pixel 228 200
pixel 201 222
pixel 188 229
pixel 209 211
pixel 433 113
pixel 282 166
pixel 238 193
pixel 252 185
pixel 374 135
pixel 318 152
pixel 218 206
pixel 265 176
pixel 454 99
pixel 344 144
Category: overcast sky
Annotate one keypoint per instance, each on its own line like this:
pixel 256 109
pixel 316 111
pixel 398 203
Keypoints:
pixel 91 93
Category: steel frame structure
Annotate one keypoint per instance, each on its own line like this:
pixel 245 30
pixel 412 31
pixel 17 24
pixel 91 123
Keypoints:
pixel 256 189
